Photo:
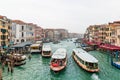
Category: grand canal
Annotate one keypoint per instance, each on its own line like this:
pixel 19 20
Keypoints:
pixel 38 68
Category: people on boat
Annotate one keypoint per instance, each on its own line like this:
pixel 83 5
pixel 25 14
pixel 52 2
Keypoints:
pixel 57 62
pixel 60 62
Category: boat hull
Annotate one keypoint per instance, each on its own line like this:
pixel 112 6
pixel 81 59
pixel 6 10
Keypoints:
pixel 116 64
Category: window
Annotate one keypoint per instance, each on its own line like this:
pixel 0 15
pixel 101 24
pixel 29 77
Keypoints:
pixel 17 40
pixel 3 31
pixel 22 27
pixel 3 24
pixel 22 34
pixel 3 37
pixel 8 27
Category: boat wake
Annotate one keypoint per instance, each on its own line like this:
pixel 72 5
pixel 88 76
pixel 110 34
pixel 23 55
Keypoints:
pixel 95 77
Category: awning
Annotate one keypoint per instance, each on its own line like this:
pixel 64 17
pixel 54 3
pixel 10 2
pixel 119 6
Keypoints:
pixel 109 47
pixel 23 44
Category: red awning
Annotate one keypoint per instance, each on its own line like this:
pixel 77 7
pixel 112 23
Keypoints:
pixel 109 47
pixel 91 43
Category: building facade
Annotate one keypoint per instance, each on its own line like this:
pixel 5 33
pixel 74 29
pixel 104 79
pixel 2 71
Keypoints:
pixel 5 36
pixel 22 32
pixel 107 33
pixel 39 33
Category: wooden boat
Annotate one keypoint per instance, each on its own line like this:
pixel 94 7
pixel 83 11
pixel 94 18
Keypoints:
pixel 46 51
pixel 59 60
pixel 17 63
pixel 19 59
pixel 85 60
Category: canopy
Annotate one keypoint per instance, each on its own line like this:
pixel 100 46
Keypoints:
pixel 90 43
pixel 23 44
pixel 109 47
pixel 34 45
pixel 46 48
pixel 85 56
pixel 60 53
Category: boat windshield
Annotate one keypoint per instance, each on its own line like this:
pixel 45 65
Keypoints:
pixel 91 65
pixel 46 52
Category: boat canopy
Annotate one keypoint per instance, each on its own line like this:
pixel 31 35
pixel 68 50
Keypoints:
pixel 110 47
pixel 46 48
pixel 33 45
pixel 85 56
pixel 23 44
pixel 60 53
pixel 38 42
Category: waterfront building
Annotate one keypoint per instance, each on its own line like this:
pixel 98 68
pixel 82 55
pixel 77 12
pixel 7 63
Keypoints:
pixel 30 34
pixel 96 33
pixel 114 33
pixel 63 33
pixel 49 34
pixel 18 27
pixel 56 34
pixel 105 33
pixel 22 32
pixel 5 36
pixel 39 34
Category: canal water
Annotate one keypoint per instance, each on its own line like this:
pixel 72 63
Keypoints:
pixel 38 67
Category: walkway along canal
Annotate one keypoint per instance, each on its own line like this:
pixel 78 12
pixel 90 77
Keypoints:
pixel 38 67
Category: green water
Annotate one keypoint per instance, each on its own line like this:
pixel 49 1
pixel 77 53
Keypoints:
pixel 38 68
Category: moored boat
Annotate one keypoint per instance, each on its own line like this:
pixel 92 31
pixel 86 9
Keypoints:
pixel 19 59
pixel 85 60
pixel 115 59
pixel 59 60
pixel 46 51
pixel 35 48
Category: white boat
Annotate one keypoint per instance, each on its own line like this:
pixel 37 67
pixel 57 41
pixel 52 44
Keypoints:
pixel 85 60
pixel 46 51
pixel 59 60
pixel 35 48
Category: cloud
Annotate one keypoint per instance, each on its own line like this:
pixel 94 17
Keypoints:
pixel 74 15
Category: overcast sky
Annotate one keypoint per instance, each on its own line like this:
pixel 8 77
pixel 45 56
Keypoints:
pixel 74 15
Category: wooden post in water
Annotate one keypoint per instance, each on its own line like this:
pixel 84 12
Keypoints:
pixel 108 54
pixel 0 74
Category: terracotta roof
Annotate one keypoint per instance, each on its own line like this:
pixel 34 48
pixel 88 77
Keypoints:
pixel 116 22
pixel 30 23
pixel 18 21
pixel 1 17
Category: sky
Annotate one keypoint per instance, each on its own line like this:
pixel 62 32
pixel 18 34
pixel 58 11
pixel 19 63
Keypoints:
pixel 73 15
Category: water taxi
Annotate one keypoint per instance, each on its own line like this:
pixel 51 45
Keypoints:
pixel 85 60
pixel 46 51
pixel 59 60
pixel 35 48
